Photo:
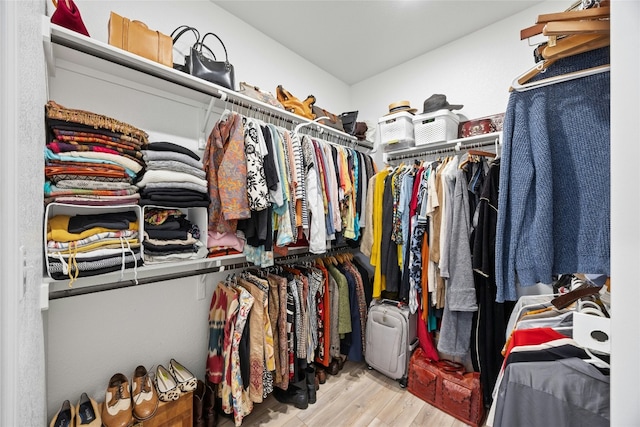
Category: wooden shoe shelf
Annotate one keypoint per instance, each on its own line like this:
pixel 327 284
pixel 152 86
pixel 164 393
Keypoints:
pixel 178 413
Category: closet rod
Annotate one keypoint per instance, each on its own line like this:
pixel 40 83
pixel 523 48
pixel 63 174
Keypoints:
pixel 66 293
pixel 336 134
pixel 457 147
pixel 305 257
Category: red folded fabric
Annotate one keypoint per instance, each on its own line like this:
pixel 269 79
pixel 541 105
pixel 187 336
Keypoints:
pixel 424 337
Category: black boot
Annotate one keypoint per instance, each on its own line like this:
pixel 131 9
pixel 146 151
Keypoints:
pixel 296 394
pixel 198 405
pixel 311 383
pixel 210 412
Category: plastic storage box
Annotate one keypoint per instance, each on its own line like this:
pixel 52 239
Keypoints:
pixel 439 126
pixel 396 131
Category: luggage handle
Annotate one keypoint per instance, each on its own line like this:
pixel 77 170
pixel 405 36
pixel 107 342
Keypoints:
pixel 398 304
pixel 414 344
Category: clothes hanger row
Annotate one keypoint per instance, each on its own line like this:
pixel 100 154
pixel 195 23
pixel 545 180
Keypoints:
pixel 269 116
pixel 470 149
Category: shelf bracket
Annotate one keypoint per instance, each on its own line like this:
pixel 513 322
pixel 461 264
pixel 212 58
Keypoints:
pixel 44 296
pixel 202 140
pixel 48 51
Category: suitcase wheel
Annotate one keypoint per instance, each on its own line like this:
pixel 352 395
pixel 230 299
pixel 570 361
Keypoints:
pixel 403 382
pixel 369 367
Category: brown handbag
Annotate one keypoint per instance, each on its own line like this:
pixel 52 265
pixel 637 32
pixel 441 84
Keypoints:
pixel 136 37
pixel 332 121
pixel 447 386
pixel 294 105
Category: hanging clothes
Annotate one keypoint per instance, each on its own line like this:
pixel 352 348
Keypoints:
pixel 554 193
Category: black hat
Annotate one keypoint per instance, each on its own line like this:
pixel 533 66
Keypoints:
pixel 438 102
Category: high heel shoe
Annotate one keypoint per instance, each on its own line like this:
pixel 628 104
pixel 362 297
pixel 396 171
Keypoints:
pixel 186 380
pixel 166 385
pixel 87 413
pixel 64 417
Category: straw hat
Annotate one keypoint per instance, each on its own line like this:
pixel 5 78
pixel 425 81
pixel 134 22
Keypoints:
pixel 400 106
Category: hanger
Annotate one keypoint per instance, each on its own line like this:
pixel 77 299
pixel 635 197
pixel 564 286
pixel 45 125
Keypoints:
pixel 519 87
pixel 593 13
pixel 482 153
pixel 574 45
pixel 314 121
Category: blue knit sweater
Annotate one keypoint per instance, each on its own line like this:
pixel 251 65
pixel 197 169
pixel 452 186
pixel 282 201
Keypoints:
pixel 554 196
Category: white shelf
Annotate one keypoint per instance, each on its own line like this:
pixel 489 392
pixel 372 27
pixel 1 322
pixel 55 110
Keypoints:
pixel 61 44
pixel 479 139
pixel 152 271
pixel 452 145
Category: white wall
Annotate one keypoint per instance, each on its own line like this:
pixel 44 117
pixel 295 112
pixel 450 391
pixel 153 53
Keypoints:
pixel 475 70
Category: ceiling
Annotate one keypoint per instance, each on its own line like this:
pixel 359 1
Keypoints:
pixel 354 40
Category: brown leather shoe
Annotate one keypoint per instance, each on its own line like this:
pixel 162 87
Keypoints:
pixel 117 411
pixel 321 375
pixel 143 395
pixel 333 369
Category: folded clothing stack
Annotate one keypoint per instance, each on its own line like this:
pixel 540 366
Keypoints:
pixel 91 159
pixel 170 236
pixel 87 245
pixel 174 177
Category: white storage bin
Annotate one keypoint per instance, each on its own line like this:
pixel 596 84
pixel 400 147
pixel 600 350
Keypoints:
pixel 396 128
pixel 54 209
pixel 439 126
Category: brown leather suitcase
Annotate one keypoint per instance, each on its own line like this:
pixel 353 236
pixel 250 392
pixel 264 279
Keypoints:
pixel 446 385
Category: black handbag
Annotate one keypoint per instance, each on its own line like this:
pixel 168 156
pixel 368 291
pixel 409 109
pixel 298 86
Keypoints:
pixel 211 70
pixel 181 30
pixel 200 65
pixel 349 121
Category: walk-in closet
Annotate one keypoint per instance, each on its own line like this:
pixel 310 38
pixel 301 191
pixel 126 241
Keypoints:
pixel 442 223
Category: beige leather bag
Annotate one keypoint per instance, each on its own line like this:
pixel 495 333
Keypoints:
pixel 136 37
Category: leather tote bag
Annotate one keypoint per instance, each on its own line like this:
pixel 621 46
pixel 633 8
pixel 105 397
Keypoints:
pixel 136 37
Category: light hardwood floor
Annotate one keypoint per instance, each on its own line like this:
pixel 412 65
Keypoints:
pixel 355 397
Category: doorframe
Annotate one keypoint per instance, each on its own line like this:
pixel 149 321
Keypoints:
pixel 10 284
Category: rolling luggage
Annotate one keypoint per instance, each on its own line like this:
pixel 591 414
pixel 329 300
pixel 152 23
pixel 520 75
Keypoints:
pixel 391 337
